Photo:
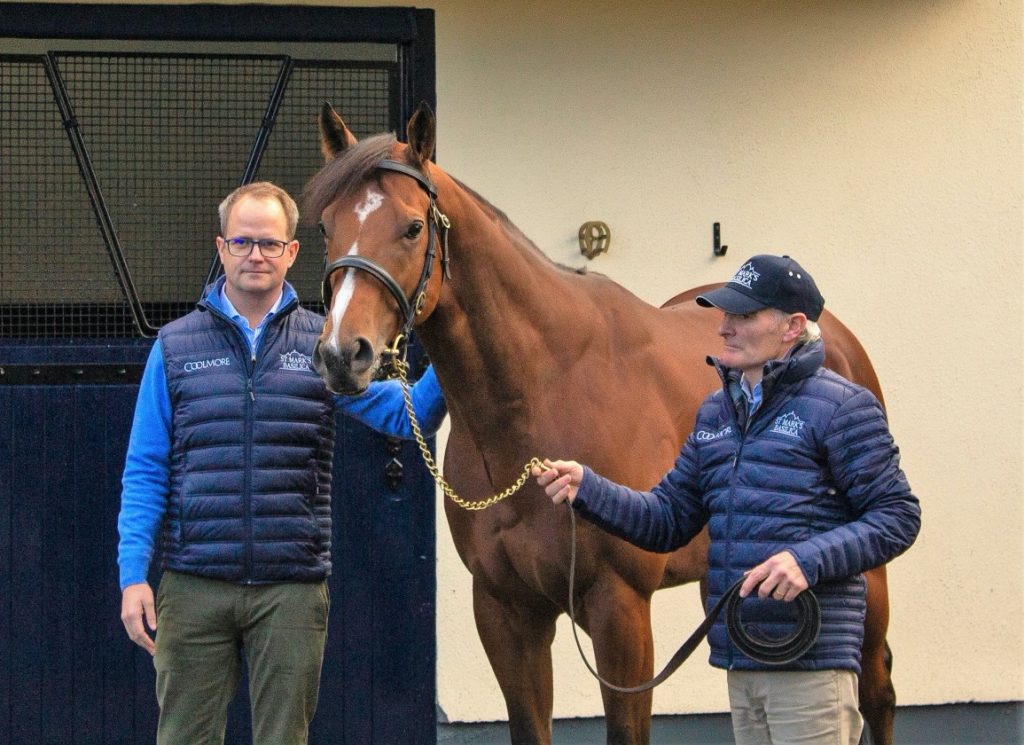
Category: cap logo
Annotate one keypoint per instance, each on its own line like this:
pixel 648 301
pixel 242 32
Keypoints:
pixel 746 275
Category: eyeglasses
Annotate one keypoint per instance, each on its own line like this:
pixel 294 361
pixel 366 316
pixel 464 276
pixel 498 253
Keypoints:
pixel 242 246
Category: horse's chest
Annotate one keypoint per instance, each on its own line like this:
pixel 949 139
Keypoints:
pixel 508 553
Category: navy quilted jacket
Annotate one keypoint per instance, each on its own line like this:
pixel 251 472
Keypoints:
pixel 814 471
pixel 254 507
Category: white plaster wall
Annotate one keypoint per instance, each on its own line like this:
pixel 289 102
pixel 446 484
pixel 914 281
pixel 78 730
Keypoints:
pixel 878 142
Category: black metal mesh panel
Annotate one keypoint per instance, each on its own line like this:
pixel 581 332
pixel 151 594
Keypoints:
pixel 168 136
pixel 55 272
pixel 361 94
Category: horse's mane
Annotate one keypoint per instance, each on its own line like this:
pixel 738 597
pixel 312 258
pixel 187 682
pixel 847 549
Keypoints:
pixel 344 174
pixel 512 227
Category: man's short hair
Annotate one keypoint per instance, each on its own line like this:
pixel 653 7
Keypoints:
pixel 260 190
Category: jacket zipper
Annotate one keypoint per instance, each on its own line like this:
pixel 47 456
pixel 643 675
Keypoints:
pixel 247 575
pixel 742 437
pixel 249 427
pixel 247 570
pixel 741 433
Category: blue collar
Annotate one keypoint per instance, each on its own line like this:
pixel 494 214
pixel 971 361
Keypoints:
pixel 218 300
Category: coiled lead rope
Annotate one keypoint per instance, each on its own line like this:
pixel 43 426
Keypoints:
pixel 779 651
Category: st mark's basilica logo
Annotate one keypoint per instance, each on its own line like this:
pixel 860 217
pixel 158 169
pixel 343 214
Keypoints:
pixel 296 360
pixel 788 424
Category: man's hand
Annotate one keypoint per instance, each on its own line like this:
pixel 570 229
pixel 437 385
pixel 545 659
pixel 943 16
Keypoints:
pixel 136 604
pixel 780 577
pixel 560 479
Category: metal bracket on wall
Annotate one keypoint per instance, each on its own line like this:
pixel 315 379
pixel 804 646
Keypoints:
pixel 394 470
pixel 595 238
pixel 716 237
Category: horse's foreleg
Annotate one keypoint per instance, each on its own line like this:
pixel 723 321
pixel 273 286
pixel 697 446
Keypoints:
pixel 619 621
pixel 877 695
pixel 517 640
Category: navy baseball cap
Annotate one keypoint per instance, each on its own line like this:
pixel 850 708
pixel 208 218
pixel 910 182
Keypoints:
pixel 766 281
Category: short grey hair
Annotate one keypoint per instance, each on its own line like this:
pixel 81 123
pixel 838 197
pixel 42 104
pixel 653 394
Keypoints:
pixel 260 190
pixel 811 332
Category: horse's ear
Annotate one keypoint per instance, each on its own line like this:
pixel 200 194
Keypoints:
pixel 420 133
pixel 334 135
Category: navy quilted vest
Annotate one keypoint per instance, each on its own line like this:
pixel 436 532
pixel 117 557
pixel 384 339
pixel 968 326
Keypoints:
pixel 251 450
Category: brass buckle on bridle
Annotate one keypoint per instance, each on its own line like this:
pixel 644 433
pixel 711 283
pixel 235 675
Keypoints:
pixel 395 355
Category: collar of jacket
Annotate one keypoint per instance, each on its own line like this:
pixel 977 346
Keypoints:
pixel 211 299
pixel 801 362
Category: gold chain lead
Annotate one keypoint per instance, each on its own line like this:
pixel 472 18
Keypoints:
pixel 401 366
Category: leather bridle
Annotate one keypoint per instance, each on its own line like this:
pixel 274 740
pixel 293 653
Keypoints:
pixel 437 225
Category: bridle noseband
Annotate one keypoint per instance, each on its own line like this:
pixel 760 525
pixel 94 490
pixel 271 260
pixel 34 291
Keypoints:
pixel 437 223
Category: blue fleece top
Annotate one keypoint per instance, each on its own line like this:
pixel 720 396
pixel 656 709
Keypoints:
pixel 146 479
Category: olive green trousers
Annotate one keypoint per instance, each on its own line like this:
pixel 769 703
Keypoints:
pixel 206 627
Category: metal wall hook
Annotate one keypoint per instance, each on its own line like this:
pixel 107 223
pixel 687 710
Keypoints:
pixel 716 234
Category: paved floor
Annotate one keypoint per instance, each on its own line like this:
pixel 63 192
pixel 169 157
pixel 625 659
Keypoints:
pixel 954 724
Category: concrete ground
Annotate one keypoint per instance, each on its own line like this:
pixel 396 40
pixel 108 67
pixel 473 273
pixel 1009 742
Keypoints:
pixel 952 724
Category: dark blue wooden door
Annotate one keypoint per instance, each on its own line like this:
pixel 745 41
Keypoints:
pixel 112 165
pixel 69 674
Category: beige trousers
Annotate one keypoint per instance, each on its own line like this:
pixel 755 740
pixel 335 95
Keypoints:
pixel 800 707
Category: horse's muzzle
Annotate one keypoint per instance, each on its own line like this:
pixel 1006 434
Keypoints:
pixel 345 369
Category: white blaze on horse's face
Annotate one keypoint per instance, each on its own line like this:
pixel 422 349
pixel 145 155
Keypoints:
pixel 369 204
pixel 342 298
pixel 371 201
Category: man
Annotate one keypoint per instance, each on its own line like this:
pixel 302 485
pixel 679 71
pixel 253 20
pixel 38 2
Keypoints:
pixel 794 471
pixel 230 461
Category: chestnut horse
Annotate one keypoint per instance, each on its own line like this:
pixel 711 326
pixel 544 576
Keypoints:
pixel 518 342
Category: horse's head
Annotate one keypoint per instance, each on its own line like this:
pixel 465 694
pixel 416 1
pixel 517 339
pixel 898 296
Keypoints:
pixel 386 244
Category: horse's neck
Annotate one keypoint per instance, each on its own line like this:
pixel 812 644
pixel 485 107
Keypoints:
pixel 495 335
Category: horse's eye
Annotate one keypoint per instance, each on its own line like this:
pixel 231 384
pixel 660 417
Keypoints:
pixel 323 230
pixel 414 230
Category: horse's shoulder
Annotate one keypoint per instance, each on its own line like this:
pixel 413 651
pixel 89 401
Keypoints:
pixel 685 297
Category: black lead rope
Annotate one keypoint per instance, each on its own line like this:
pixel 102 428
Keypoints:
pixel 779 651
